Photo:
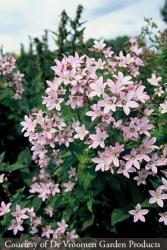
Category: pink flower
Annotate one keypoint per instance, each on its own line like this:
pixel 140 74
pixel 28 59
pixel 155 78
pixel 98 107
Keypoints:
pixel 164 186
pixel 16 226
pixel 98 138
pixel 5 208
pixel 54 188
pixel 13 78
pixel 135 47
pixel 33 230
pixel 65 136
pixel 165 151
pixel 75 101
pixel 31 213
pixel 49 211
pixel 159 91
pixel 117 124
pixel 148 111
pixel 123 170
pixel 72 236
pixel 47 231
pixel 157 197
pixel 103 162
pixel 142 176
pixel 35 222
pixel 163 107
pixel 62 226
pixel 154 80
pixel 108 103
pixel 44 186
pixel 132 131
pixel 108 158
pixel 134 159
pixel 20 213
pixel 95 113
pixel 148 145
pixel 126 103
pixel 99 45
pixel 28 125
pixel 123 80
pixel 154 162
pixel 108 52
pixel 54 87
pixel 2 176
pixel 97 87
pixel 144 125
pixel 81 132
pixel 72 172
pixel 52 101
pixel 124 60
pixel 69 186
pixel 139 213
pixel 163 218
pixel 107 118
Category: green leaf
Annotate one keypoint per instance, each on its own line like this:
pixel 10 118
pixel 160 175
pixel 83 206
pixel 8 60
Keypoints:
pixel 89 222
pixel 118 215
pixel 24 157
pixel 4 224
pixel 89 205
pixel 146 204
pixel 114 182
pixel 67 213
pixel 3 165
pixel 36 203
pixel 134 190
pixel 81 153
pixel 6 220
pixel 2 157
pixel 4 93
pixel 156 183
pixel 18 196
pixel 14 167
pixel 85 178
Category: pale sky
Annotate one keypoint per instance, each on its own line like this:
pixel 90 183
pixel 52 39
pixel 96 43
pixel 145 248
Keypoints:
pixel 105 18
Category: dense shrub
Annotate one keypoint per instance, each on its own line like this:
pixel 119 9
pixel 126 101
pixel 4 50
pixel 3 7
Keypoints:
pixel 97 133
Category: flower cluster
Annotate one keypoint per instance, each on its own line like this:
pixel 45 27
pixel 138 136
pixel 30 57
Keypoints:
pixel 107 92
pixel 60 232
pixel 45 186
pixel 19 215
pixel 47 131
pixel 11 76
pixel 160 90
pixel 7 65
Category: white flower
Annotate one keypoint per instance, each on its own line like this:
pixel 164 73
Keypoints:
pixel 157 197
pixel 97 88
pixel 81 132
pixel 139 213
pixel 99 45
pixel 163 218
pixel 2 176
pixel 163 107
pixel 154 80
pixel 5 208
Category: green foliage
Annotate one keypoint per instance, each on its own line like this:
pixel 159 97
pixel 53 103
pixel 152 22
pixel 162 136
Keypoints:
pixel 97 198
pixel 119 215
pixel 164 12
